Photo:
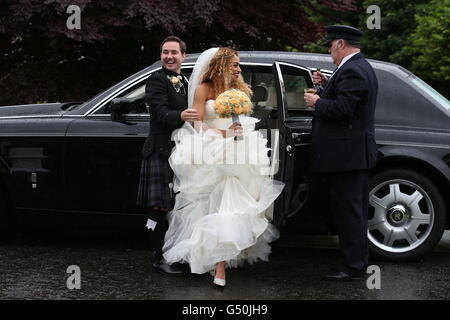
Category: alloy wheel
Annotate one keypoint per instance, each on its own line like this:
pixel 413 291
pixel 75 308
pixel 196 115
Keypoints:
pixel 401 216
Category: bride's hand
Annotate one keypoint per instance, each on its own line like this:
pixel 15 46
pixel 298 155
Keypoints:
pixel 234 130
pixel 235 126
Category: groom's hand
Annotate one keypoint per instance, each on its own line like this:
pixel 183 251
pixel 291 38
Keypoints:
pixel 190 115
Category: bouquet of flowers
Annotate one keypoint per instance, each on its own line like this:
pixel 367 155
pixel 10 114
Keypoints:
pixel 233 103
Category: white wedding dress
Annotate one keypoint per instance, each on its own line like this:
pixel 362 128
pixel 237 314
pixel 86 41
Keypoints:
pixel 224 193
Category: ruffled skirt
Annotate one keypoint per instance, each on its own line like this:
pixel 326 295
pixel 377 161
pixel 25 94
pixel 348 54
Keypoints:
pixel 224 199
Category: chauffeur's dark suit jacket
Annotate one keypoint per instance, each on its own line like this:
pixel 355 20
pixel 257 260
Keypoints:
pixel 343 149
pixel 343 135
pixel 166 106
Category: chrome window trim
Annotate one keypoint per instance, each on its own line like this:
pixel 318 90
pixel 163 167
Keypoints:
pixel 262 64
pixel 118 91
pixel 73 116
pixel 105 135
pixel 420 145
pixel 278 65
pixel 127 85
pixel 129 115
pixel 144 75
pixel 33 116
pixel 14 135
pixel 188 64
pixel 124 87
pixel 29 105
pixel 295 66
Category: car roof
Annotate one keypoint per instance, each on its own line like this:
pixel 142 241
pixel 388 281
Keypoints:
pixel 310 60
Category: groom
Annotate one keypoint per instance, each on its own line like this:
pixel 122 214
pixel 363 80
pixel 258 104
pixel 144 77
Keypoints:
pixel 166 94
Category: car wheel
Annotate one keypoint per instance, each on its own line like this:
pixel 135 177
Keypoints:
pixel 406 215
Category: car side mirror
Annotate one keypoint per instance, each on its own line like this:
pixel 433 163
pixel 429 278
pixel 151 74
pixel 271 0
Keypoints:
pixel 119 107
pixel 116 109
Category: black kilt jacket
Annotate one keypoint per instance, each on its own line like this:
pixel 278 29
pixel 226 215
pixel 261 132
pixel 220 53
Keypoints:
pixel 165 106
pixel 343 133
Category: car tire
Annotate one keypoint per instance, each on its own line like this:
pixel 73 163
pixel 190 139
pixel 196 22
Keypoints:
pixel 406 215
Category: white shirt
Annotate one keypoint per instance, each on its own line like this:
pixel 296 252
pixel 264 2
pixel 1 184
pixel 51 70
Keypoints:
pixel 346 58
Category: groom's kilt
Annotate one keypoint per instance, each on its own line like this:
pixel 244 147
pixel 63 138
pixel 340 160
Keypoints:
pixel 155 183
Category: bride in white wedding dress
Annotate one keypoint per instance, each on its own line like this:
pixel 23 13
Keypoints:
pixel 223 188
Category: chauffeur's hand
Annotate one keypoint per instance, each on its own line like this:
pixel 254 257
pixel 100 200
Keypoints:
pixel 190 115
pixel 319 78
pixel 310 99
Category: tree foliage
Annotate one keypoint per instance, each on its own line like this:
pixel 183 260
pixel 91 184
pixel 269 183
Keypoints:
pixel 397 23
pixel 42 60
pixel 430 41
pixel 413 34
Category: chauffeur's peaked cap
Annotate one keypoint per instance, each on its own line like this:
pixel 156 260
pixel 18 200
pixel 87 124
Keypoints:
pixel 341 32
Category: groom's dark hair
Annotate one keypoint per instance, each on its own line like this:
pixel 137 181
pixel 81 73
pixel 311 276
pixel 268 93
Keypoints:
pixel 175 39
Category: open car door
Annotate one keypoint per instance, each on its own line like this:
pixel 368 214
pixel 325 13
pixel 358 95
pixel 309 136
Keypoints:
pixel 294 125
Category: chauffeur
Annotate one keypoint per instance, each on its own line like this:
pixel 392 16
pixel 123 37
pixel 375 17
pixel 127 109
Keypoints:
pixel 343 147
pixel 166 94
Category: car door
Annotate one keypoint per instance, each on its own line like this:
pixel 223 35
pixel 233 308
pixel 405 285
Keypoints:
pixel 294 125
pixel 103 162
pixel 31 156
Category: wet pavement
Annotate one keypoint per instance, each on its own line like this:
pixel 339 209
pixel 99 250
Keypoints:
pixel 33 265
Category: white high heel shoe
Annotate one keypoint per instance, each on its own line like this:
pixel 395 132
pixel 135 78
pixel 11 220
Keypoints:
pixel 219 282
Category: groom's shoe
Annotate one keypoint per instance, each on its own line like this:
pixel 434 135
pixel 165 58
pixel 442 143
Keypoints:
pixel 162 267
pixel 342 276
pixel 159 265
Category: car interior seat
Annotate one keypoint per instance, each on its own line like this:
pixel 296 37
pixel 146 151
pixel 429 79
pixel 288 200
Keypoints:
pixel 261 109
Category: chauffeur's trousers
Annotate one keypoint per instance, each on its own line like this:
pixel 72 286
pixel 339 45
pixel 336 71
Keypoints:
pixel 349 196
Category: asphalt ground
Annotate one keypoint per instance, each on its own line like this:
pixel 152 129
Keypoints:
pixel 38 264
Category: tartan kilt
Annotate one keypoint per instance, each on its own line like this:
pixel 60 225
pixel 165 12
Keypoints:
pixel 155 183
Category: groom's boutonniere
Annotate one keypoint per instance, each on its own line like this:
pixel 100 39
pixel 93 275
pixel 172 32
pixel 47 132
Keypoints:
pixel 175 82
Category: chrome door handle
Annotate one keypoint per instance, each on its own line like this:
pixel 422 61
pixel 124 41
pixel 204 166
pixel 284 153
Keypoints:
pixel 296 135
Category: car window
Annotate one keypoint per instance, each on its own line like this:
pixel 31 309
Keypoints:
pixel 135 93
pixel 265 79
pixel 439 99
pixel 295 83
pixel 187 71
pixel 140 90
pixel 264 97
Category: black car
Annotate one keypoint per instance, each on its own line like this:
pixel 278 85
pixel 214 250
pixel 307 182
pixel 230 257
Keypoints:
pixel 71 163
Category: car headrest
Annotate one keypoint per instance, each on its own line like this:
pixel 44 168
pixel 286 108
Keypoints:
pixel 259 94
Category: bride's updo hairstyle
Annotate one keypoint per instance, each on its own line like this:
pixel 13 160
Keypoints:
pixel 219 73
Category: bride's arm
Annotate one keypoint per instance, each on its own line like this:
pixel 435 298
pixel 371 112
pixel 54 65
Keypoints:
pixel 200 97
